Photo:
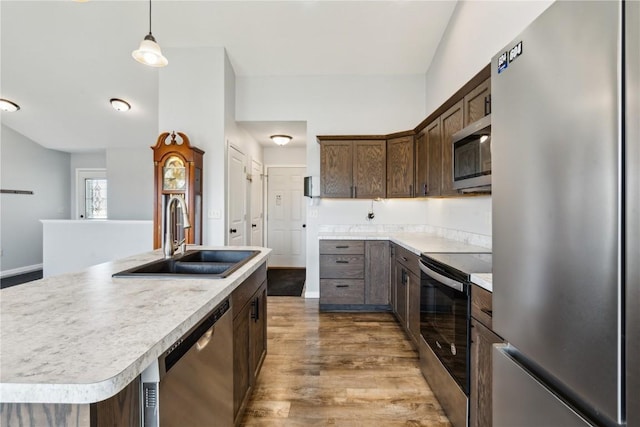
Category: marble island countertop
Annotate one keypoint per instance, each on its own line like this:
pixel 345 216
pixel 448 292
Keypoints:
pixel 82 337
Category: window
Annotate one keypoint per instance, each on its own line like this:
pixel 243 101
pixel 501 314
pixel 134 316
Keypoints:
pixel 95 202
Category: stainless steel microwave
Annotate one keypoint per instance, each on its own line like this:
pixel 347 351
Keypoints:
pixel 472 157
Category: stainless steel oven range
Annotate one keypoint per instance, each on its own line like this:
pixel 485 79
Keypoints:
pixel 444 326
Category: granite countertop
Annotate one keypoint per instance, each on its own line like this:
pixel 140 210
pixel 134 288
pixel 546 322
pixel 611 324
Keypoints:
pixel 415 242
pixel 82 337
pixel 484 280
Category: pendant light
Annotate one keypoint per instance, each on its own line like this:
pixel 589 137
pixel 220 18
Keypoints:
pixel 149 51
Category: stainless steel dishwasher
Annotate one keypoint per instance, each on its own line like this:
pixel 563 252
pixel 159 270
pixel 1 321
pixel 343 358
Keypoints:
pixel 192 382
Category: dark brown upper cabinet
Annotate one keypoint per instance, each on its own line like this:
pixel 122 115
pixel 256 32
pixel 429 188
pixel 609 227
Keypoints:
pixel 434 152
pixel 336 169
pixel 477 103
pixel 353 169
pixel 400 162
pixel 452 122
pixel 369 173
pixel 417 162
pixel 422 165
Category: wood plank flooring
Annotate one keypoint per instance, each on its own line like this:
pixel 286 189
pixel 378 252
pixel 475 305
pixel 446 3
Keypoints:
pixel 343 369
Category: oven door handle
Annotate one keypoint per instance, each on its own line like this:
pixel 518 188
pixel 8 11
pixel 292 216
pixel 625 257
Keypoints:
pixel 442 279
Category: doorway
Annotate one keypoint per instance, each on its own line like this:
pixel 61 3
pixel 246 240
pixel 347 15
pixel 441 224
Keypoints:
pixel 91 194
pixel 286 216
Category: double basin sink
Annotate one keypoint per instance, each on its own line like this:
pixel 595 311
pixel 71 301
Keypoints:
pixel 205 263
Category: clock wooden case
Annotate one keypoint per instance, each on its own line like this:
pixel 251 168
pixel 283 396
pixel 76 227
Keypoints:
pixel 177 170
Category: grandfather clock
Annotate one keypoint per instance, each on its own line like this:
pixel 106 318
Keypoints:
pixel 177 170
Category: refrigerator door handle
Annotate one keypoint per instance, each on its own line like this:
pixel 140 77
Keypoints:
pixel 458 286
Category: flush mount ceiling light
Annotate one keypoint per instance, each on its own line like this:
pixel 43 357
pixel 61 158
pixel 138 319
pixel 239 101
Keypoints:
pixel 120 104
pixel 280 139
pixel 8 106
pixel 149 51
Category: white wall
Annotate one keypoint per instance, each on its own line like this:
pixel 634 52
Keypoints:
pixel 464 50
pixel 192 100
pixel 336 105
pixel 130 183
pixel 197 97
pixel 284 156
pixel 477 30
pixel 26 165
pixel 73 245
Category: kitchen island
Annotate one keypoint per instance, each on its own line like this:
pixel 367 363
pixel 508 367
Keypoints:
pixel 81 338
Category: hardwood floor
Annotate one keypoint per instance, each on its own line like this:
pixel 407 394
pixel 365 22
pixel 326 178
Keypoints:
pixel 343 369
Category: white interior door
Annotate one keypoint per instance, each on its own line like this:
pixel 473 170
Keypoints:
pixel 257 213
pixel 286 216
pixel 91 194
pixel 236 198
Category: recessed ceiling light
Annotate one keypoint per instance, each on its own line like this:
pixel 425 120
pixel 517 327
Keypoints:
pixel 119 104
pixel 8 106
pixel 281 139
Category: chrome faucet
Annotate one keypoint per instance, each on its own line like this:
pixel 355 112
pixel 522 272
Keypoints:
pixel 170 244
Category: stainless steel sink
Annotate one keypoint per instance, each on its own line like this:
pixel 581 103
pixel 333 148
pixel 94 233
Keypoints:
pixel 205 263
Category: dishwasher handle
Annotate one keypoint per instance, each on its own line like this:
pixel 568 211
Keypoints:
pixel 197 336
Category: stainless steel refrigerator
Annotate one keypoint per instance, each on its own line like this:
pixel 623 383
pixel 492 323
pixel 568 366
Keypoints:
pixel 565 218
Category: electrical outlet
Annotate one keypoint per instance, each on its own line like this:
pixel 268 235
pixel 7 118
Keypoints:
pixel 313 213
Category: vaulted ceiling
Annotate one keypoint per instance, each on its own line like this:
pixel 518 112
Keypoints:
pixel 63 60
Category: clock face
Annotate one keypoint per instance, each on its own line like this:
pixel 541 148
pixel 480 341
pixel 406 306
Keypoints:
pixel 174 174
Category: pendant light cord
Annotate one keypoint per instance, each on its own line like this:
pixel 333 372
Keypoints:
pixel 149 16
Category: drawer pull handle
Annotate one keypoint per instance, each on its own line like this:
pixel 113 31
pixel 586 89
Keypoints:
pixel 487 311
pixel 342 262
pixel 342 247
pixel 405 259
pixel 342 286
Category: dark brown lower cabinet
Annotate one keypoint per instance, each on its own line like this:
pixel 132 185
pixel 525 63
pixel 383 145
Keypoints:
pixel 249 337
pixel 402 278
pixel 354 275
pixel 258 329
pixel 480 393
pixel 413 314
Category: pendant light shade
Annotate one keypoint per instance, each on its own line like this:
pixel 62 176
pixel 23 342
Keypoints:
pixel 149 52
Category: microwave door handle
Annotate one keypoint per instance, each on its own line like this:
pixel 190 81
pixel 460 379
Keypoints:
pixel 442 279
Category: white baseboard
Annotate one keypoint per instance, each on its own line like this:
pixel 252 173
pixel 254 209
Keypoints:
pixel 20 270
pixel 312 295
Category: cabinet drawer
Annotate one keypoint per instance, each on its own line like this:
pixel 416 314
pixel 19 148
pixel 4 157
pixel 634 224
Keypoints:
pixel 408 259
pixel 337 291
pixel 481 305
pixel 345 247
pixel 342 266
